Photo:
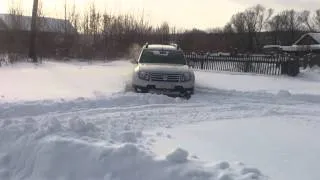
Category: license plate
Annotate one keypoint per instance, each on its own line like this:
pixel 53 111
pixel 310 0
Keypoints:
pixel 164 86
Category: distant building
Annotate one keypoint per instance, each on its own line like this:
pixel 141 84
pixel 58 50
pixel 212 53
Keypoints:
pixel 45 24
pixel 307 43
pixel 54 35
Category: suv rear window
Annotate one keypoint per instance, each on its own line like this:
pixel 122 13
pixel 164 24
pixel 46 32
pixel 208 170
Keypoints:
pixel 162 56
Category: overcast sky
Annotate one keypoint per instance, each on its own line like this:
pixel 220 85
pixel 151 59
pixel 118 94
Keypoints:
pixel 201 14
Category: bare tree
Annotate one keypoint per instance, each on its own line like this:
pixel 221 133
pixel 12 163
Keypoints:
pixel 288 25
pixel 305 20
pixel 85 24
pixel 41 22
pixel 251 22
pixel 216 30
pixel 74 19
pixel 13 45
pixel 94 21
pixel 291 23
pixel 16 14
pixel 256 19
pixel 228 28
pixel 274 25
pixel 316 20
pixel 163 31
pixel 312 23
pixel 238 22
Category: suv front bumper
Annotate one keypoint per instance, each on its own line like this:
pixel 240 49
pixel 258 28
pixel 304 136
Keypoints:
pixel 175 91
pixel 163 87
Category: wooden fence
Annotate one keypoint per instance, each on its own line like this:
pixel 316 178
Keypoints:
pixel 269 65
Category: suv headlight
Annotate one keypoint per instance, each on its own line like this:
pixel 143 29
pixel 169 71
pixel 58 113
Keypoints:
pixel 186 77
pixel 144 75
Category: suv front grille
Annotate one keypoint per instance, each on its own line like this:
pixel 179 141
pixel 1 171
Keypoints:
pixel 164 77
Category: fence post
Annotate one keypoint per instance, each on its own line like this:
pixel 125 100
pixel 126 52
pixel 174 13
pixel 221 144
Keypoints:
pixel 202 63
pixel 247 65
pixel 284 65
pixel 293 67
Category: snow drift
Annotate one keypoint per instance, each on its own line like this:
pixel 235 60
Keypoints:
pixel 53 150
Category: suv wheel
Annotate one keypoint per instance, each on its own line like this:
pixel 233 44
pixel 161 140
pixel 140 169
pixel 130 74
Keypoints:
pixel 140 90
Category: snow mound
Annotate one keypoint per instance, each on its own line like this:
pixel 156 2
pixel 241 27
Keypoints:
pixel 80 126
pixel 314 69
pixel 55 157
pixel 128 137
pixel 223 165
pixel 178 156
pixel 75 149
pixel 225 176
pixel 254 171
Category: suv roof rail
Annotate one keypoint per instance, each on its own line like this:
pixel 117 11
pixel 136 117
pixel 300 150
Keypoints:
pixel 175 45
pixel 170 44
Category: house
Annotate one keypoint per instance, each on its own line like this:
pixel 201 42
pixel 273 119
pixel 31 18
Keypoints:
pixel 45 24
pixel 53 34
pixel 309 42
pixel 3 25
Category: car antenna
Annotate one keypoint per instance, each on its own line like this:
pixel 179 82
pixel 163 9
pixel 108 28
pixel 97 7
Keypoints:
pixel 147 45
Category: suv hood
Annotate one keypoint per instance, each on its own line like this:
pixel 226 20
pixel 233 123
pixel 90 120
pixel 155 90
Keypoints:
pixel 163 67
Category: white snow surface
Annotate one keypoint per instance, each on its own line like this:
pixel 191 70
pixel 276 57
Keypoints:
pixel 79 121
pixel 61 80
pixel 307 82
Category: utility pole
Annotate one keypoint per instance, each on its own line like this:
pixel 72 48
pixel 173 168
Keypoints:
pixel 32 48
pixel 65 16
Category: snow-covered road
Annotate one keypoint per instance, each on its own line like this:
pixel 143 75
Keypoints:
pixel 88 126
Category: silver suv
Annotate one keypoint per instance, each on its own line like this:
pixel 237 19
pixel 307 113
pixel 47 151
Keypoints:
pixel 163 69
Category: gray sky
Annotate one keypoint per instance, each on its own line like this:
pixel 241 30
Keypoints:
pixel 201 14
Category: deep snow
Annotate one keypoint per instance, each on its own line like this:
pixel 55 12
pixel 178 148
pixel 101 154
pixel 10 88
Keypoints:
pixel 283 147
pixel 92 127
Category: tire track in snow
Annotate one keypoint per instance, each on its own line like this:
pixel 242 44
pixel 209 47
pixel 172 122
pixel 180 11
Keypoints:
pixel 138 112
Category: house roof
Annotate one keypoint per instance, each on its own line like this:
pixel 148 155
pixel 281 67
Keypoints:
pixel 315 36
pixel 46 24
pixel 3 26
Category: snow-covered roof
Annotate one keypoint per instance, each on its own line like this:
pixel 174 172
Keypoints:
pixel 295 48
pixel 315 36
pixel 271 46
pixel 46 24
pixel 161 47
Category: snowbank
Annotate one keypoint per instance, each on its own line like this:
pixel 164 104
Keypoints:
pixel 283 146
pixel 314 69
pixel 31 150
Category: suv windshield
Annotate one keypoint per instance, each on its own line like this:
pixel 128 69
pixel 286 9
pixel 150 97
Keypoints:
pixel 162 56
